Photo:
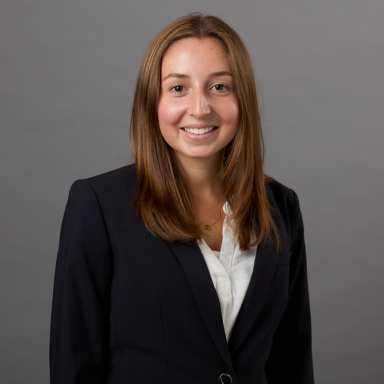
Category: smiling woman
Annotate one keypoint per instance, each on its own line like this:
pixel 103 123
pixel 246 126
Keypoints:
pixel 188 266
pixel 196 74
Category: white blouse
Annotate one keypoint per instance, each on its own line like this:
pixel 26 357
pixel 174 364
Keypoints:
pixel 231 271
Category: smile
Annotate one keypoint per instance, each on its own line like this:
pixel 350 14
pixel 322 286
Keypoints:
pixel 199 131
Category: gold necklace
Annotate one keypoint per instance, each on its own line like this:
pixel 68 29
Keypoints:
pixel 207 226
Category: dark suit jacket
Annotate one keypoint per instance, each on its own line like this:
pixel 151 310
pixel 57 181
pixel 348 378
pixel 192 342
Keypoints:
pixel 131 308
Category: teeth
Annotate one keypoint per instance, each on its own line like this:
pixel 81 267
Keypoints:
pixel 199 131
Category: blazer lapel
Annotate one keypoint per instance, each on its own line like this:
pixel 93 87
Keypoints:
pixel 199 279
pixel 261 279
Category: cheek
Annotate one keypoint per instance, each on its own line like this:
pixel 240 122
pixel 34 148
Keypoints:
pixel 169 115
pixel 169 112
pixel 229 114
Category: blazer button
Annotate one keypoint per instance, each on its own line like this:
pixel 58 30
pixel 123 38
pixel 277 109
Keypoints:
pixel 225 378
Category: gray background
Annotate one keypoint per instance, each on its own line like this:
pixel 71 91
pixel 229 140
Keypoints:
pixel 67 78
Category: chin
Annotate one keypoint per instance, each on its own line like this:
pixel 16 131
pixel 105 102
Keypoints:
pixel 200 155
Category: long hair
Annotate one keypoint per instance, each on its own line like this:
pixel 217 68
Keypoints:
pixel 163 198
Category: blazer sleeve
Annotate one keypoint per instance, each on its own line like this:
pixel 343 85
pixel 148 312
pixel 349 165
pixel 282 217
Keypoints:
pixel 81 295
pixel 290 359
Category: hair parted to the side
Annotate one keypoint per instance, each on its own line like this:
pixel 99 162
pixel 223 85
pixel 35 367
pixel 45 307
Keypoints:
pixel 163 198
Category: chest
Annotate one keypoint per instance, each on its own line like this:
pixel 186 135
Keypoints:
pixel 211 217
pixel 214 236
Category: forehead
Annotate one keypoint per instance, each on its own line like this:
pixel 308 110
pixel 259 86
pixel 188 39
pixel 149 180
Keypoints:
pixel 190 53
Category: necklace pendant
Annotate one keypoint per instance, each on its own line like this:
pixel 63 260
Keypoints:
pixel 207 227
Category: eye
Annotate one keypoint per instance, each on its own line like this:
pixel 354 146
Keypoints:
pixel 177 88
pixel 220 87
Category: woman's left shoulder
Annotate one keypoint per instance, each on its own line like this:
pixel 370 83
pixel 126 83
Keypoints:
pixel 279 193
pixel 285 207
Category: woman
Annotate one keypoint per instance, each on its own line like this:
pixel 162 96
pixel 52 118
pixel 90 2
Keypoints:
pixel 188 266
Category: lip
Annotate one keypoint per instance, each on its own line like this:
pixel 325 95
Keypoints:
pixel 202 137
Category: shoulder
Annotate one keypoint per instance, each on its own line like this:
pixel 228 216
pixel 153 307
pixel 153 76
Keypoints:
pixel 279 194
pixel 110 191
pixel 285 208
pixel 123 176
pixel 118 181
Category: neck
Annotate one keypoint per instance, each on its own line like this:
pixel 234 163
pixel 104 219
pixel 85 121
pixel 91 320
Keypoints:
pixel 201 176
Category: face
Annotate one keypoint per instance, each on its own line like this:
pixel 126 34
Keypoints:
pixel 198 111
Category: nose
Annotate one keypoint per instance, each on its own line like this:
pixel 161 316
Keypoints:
pixel 199 106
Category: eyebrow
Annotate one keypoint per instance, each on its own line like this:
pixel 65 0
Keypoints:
pixel 182 76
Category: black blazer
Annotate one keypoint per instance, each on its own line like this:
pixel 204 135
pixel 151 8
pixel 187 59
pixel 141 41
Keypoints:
pixel 131 308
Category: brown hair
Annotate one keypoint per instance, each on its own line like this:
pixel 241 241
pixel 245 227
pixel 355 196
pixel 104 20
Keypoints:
pixel 163 197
